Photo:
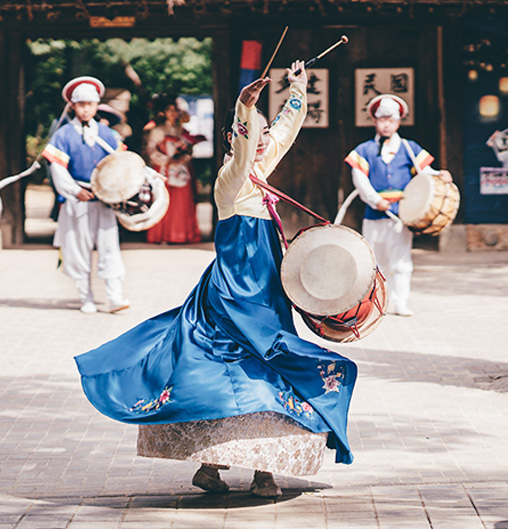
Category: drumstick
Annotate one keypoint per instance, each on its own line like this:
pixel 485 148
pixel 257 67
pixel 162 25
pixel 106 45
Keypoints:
pixel 399 224
pixel 27 172
pixel 311 62
pixel 274 53
pixel 11 179
pixel 342 210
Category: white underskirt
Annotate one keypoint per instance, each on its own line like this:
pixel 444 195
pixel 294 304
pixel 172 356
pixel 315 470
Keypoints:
pixel 266 441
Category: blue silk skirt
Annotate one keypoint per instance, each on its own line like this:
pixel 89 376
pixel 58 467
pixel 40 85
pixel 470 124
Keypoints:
pixel 229 350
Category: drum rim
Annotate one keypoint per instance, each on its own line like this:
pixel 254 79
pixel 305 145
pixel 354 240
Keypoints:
pixel 295 291
pixel 412 218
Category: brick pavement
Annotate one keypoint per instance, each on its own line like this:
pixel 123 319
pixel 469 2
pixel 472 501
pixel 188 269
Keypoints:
pixel 428 423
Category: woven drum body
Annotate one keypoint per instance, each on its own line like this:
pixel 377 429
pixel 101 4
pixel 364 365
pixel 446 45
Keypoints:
pixel 356 323
pixel 429 204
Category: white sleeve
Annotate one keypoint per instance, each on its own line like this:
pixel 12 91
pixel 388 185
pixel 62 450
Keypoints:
pixel 430 170
pixel 367 193
pixel 285 127
pixel 63 181
pixel 235 172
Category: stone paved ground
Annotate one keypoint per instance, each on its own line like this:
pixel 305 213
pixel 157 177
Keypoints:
pixel 428 423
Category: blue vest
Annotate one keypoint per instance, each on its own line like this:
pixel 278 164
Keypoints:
pixel 82 157
pixel 389 180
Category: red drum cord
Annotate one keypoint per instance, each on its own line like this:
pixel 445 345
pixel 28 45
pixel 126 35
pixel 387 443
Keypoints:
pixel 286 198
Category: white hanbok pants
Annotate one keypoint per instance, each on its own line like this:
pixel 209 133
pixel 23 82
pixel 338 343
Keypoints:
pixel 83 226
pixel 393 255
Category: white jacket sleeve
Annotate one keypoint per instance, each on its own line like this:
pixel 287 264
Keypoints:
pixel 430 170
pixel 63 181
pixel 235 172
pixel 367 193
pixel 285 127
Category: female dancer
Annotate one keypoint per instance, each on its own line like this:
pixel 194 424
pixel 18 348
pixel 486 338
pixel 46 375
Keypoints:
pixel 224 379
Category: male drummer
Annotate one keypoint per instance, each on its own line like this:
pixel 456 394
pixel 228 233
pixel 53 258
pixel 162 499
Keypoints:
pixel 83 221
pixel 381 168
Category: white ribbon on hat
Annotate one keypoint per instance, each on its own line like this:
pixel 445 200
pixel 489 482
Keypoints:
pixel 85 92
pixel 388 108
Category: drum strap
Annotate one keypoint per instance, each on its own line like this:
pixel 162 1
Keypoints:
pixel 269 201
pixel 105 145
pixel 286 198
pixel 272 197
pixel 411 155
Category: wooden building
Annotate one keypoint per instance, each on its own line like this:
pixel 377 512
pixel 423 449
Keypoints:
pixel 426 45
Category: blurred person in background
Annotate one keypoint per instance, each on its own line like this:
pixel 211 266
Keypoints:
pixel 168 150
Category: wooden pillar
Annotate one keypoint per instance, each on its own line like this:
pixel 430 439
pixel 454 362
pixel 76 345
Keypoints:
pixel 443 151
pixel 3 108
pixel 4 171
pixel 221 77
pixel 453 79
pixel 12 148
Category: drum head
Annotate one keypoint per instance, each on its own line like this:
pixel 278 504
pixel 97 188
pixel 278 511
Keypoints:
pixel 416 199
pixel 328 269
pixel 118 177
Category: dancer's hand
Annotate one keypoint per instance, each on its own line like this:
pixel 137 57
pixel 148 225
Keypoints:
pixel 301 77
pixel 250 94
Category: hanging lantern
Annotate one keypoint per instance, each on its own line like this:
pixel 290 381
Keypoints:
pixel 472 75
pixel 503 85
pixel 489 106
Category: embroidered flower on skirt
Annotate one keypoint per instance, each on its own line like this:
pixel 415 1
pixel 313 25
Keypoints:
pixel 331 377
pixel 144 406
pixel 295 405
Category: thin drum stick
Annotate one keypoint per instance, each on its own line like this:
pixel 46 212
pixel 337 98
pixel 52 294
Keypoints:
pixel 310 62
pixel 274 53
pixel 342 210
pixel 343 40
pixel 27 172
pixel 399 224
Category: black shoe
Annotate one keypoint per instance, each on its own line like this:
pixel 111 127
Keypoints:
pixel 264 486
pixel 204 481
